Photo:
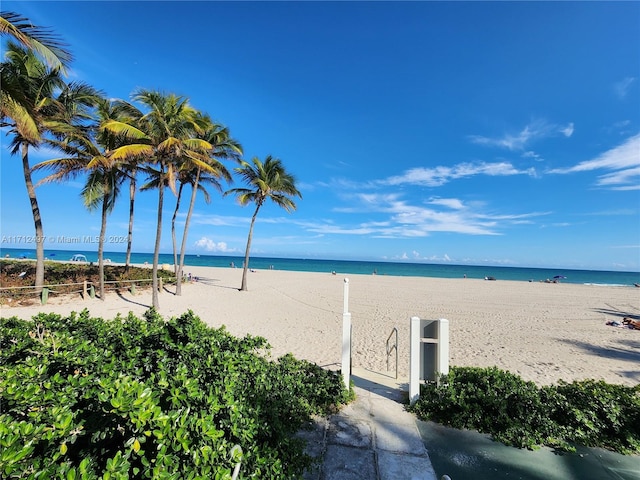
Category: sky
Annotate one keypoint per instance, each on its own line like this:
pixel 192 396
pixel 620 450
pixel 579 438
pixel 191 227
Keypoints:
pixel 480 133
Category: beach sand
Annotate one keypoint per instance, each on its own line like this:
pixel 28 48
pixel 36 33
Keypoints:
pixel 543 332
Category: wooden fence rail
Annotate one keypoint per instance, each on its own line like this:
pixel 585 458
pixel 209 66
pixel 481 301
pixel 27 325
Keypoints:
pixel 87 290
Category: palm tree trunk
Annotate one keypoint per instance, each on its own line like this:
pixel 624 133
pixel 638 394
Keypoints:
pixel 243 287
pixel 173 231
pixel 103 232
pixel 183 246
pixel 132 195
pixel 156 251
pixel 37 219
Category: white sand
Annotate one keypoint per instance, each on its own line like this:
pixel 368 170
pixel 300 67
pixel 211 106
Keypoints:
pixel 544 332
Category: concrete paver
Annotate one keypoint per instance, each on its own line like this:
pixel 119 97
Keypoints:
pixel 373 438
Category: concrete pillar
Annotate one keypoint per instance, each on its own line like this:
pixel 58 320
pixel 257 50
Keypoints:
pixel 442 367
pixel 414 360
pixel 425 365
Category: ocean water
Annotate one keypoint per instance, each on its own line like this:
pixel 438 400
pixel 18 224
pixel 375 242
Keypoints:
pixel 400 269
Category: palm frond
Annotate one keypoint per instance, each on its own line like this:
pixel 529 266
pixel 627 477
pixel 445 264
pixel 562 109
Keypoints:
pixel 41 40
pixel 125 129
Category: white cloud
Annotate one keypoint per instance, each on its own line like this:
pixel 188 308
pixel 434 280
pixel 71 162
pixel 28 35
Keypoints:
pixel 219 220
pixel 404 220
pixel 453 203
pixel 437 176
pixel 568 130
pixel 622 87
pixel 531 154
pixel 534 131
pixel 211 246
pixel 623 160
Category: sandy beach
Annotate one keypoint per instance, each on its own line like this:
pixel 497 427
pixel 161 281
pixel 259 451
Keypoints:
pixel 543 332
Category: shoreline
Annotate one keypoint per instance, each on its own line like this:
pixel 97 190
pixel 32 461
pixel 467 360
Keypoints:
pixel 392 268
pixel 542 332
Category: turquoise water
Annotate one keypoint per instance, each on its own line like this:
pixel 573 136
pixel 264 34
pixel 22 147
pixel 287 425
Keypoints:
pixel 400 269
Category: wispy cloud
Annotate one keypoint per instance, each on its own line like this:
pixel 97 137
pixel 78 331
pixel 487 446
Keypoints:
pixel 405 220
pixel 518 141
pixel 220 220
pixel 622 87
pixel 448 202
pixel 533 155
pixel 568 130
pixel 622 161
pixel 437 176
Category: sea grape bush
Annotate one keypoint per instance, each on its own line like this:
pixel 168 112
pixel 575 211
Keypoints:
pixel 88 398
pixel 519 413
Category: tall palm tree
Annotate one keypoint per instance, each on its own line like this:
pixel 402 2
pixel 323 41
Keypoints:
pixel 133 172
pixel 15 102
pixel 167 134
pixel 268 180
pixel 223 147
pixel 126 114
pixel 27 116
pixel 88 151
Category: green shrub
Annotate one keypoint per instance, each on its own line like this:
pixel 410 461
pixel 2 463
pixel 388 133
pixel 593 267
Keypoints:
pixel 519 413
pixel 88 398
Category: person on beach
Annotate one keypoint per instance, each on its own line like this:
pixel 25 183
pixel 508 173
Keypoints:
pixel 633 324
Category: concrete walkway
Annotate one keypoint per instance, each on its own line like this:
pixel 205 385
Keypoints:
pixel 373 438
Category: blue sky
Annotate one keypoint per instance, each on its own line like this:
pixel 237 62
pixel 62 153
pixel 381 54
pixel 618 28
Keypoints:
pixel 504 133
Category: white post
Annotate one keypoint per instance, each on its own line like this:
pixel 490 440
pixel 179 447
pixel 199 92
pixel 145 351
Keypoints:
pixel 443 348
pixel 414 360
pixel 346 348
pixel 346 337
pixel 346 296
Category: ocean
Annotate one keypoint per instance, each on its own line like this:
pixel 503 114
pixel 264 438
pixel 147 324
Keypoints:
pixel 400 269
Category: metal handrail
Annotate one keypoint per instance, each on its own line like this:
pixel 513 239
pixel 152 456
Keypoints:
pixel 392 348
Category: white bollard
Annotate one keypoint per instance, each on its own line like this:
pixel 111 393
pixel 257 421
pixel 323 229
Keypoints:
pixel 346 348
pixel 346 337
pixel 345 296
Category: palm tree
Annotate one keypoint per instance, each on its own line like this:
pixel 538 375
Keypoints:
pixel 126 113
pixel 223 147
pixel 268 180
pixel 133 171
pixel 88 151
pixel 166 135
pixel 15 102
pixel 27 115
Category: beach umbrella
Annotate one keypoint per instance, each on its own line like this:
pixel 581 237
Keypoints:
pixel 558 277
